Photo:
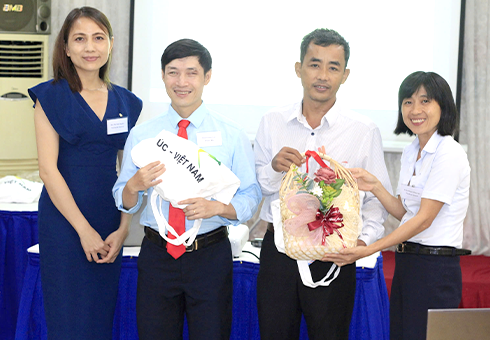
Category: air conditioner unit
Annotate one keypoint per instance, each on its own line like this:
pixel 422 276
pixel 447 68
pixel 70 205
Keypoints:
pixel 23 64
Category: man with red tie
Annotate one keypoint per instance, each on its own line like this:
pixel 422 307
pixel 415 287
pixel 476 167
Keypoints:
pixel 194 280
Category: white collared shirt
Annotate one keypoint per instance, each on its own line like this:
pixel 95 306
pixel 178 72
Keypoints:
pixel 443 174
pixel 347 137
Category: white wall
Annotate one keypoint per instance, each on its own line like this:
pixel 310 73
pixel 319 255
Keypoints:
pixel 255 44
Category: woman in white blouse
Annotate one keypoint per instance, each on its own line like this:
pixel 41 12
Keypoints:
pixel 431 203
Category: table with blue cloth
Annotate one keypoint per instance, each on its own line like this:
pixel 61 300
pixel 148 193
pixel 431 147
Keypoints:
pixel 369 320
pixel 18 231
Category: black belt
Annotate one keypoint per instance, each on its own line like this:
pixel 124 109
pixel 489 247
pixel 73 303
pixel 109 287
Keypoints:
pixel 201 241
pixel 270 227
pixel 416 248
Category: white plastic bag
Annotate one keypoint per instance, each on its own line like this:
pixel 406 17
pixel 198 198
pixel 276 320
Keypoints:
pixel 303 266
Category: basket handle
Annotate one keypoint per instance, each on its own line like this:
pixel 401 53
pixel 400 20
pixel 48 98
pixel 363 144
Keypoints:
pixel 316 157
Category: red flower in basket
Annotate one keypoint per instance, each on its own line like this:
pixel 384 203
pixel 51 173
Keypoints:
pixel 327 175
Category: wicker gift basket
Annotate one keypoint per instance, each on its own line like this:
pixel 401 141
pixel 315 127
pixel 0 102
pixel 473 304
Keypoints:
pixel 313 226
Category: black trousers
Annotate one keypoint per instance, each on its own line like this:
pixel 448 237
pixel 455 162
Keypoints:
pixel 199 284
pixel 282 298
pixel 420 283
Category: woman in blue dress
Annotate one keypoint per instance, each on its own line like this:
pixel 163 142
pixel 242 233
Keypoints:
pixel 431 204
pixel 82 121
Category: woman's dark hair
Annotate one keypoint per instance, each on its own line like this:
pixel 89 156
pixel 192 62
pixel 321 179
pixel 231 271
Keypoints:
pixel 63 67
pixel 437 89
pixel 187 48
pixel 324 37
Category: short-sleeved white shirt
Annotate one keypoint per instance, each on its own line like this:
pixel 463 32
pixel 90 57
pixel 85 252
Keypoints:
pixel 443 174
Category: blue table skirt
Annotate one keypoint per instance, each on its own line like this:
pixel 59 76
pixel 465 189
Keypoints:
pixel 371 317
pixel 369 321
pixel 18 231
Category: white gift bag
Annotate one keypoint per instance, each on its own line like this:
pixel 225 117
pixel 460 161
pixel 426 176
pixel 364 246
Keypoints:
pixel 303 265
pixel 18 190
pixel 190 172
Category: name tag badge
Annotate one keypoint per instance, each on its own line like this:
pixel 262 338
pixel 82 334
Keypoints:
pixel 411 193
pixel 117 125
pixel 209 138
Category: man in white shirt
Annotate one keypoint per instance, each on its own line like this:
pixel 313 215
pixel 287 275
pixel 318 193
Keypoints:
pixel 284 133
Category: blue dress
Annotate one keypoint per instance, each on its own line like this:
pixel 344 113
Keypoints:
pixel 80 296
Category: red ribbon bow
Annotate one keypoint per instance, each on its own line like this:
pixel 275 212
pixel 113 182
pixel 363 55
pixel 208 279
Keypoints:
pixel 329 222
pixel 317 158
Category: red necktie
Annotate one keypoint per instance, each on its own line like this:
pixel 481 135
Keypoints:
pixel 176 216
